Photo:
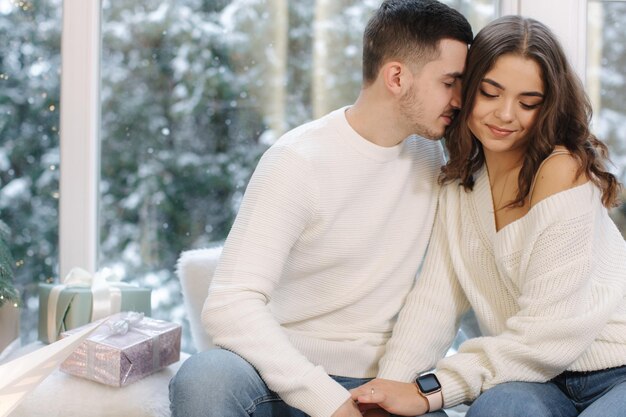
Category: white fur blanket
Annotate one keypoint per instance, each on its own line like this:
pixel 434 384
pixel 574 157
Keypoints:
pixel 62 395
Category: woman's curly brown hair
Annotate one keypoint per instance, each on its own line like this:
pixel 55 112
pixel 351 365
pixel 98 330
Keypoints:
pixel 563 118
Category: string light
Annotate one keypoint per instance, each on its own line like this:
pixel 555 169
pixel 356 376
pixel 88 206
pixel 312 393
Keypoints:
pixel 24 5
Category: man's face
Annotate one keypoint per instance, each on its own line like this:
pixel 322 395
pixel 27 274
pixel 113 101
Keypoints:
pixel 435 93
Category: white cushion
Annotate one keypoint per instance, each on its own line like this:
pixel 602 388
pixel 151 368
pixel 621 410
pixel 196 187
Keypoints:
pixel 195 270
pixel 63 395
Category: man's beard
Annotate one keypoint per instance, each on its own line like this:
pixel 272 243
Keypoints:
pixel 412 110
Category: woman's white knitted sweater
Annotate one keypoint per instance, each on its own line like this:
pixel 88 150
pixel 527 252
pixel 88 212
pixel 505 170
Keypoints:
pixel 548 291
pixel 323 253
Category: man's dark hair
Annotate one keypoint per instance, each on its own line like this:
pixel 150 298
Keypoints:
pixel 409 31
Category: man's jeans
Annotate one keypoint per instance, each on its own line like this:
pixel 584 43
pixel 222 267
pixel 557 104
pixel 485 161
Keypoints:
pixel 218 383
pixel 584 394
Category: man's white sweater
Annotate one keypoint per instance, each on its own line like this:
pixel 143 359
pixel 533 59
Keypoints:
pixel 548 291
pixel 324 250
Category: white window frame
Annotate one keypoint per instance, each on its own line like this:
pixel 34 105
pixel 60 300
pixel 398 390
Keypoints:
pixel 80 112
pixel 566 18
pixel 80 135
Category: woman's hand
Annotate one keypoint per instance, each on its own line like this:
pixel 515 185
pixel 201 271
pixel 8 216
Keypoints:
pixel 400 398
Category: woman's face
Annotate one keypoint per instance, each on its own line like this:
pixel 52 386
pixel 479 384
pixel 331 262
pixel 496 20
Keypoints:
pixel 507 103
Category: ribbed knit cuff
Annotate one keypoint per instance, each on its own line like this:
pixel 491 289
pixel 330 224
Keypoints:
pixel 396 371
pixel 453 388
pixel 321 397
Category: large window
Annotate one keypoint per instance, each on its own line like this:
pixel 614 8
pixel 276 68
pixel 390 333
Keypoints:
pixel 192 93
pixel 606 83
pixel 30 58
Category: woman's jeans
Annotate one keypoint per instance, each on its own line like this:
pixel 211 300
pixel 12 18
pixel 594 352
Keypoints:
pixel 218 383
pixel 585 394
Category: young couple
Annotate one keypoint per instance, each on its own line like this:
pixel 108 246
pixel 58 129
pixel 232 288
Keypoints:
pixel 315 302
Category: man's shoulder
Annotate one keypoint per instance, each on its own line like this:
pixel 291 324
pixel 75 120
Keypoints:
pixel 427 155
pixel 428 148
pixel 313 130
pixel 310 140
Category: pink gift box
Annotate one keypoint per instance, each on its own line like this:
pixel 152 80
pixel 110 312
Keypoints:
pixel 126 348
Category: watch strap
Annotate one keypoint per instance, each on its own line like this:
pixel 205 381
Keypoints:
pixel 435 401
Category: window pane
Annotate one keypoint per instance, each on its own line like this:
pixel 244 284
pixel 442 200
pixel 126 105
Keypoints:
pixel 193 92
pixel 606 85
pixel 478 12
pixel 29 143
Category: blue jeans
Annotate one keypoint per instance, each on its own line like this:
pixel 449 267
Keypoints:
pixel 218 383
pixel 585 394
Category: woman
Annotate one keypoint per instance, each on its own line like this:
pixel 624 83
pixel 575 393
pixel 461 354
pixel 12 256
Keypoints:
pixel 524 238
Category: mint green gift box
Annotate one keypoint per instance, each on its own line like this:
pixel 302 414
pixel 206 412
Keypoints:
pixel 75 304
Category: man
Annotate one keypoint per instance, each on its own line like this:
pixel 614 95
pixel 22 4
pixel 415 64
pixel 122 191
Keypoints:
pixel 330 233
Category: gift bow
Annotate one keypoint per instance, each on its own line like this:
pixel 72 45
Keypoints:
pixel 105 291
pixel 122 326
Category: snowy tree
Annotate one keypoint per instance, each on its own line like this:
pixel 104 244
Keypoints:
pixel 610 113
pixel 192 94
pixel 7 289
pixel 29 140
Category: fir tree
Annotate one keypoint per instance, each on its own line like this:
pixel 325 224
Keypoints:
pixel 7 290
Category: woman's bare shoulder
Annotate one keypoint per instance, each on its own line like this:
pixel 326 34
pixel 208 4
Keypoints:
pixel 558 173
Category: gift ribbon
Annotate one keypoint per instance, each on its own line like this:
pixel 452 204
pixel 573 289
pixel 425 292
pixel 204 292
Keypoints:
pixel 105 291
pixel 132 321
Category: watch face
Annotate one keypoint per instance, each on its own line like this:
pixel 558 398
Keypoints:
pixel 428 383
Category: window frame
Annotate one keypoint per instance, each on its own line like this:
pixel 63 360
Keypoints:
pixel 80 112
pixel 79 135
pixel 568 19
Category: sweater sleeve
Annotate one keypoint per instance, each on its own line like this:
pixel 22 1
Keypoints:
pixel 278 204
pixel 429 319
pixel 564 303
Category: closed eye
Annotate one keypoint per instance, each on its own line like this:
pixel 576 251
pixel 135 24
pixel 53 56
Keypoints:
pixel 529 106
pixel 484 93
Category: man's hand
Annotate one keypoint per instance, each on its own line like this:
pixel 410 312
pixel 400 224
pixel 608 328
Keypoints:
pixel 348 409
pixel 400 398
